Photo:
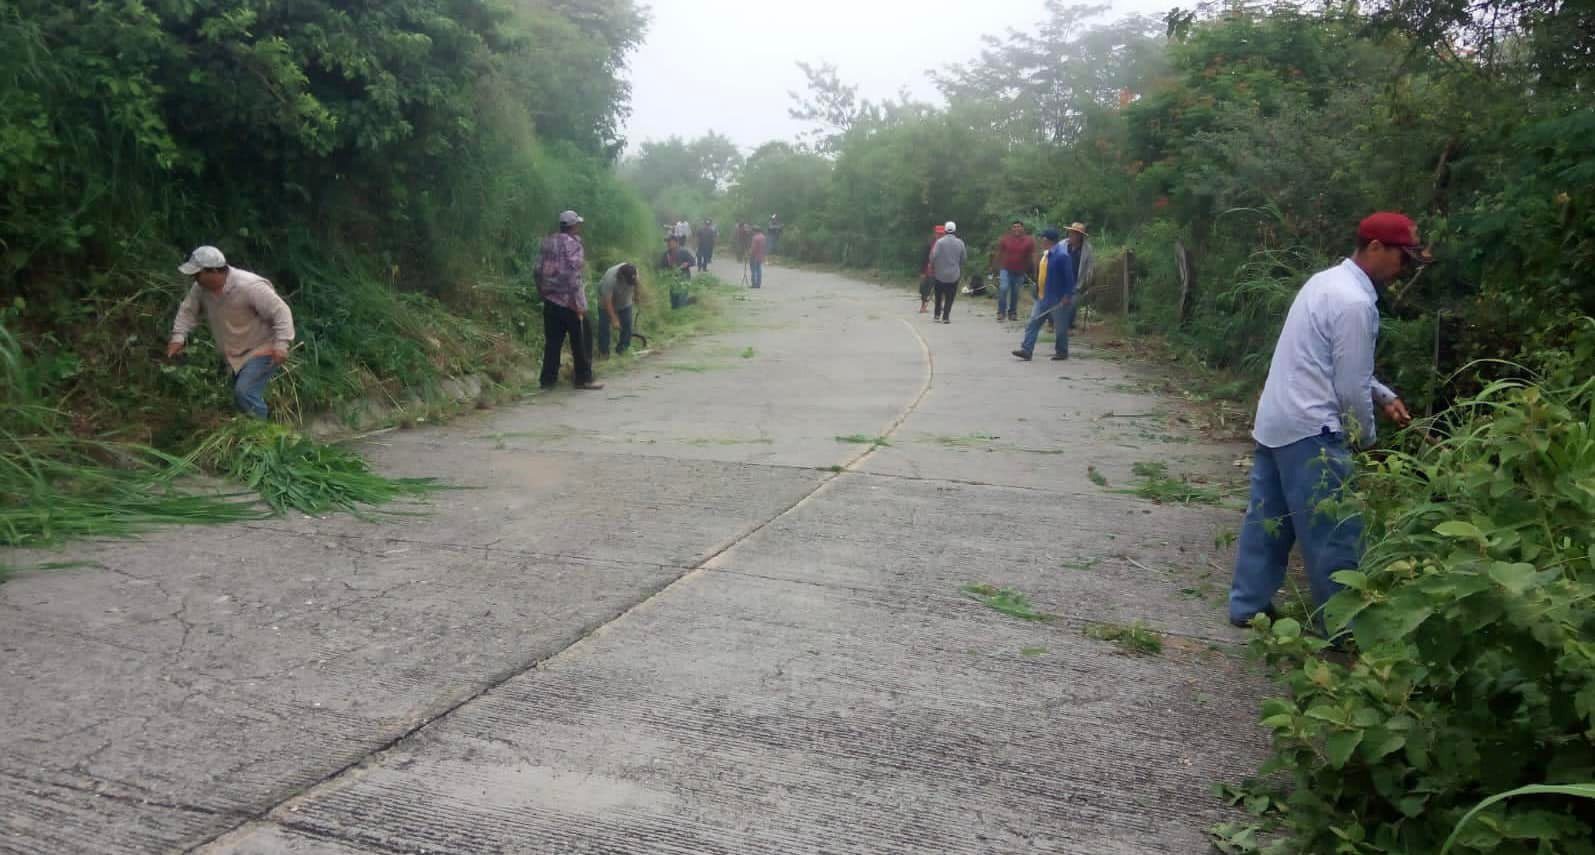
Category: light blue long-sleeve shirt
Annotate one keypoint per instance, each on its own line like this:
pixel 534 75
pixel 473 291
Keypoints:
pixel 1322 372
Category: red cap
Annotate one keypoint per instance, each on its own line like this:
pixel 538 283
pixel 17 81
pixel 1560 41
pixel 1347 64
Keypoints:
pixel 1389 228
pixel 941 230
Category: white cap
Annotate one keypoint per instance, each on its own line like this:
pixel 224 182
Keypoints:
pixel 206 257
pixel 569 218
pixel 951 227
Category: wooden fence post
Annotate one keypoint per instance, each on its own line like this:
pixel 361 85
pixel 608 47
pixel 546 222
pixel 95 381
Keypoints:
pixel 1129 262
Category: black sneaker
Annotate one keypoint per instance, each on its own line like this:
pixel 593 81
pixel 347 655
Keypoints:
pixel 1059 357
pixel 1022 354
pixel 1271 612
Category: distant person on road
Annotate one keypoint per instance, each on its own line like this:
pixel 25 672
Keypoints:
pixel 927 282
pixel 744 239
pixel 1014 258
pixel 561 280
pixel 681 231
pixel 947 259
pixel 707 233
pixel 1319 400
pixel 756 254
pixel 775 228
pixel 617 295
pixel 252 326
pixel 1080 254
pixel 1055 288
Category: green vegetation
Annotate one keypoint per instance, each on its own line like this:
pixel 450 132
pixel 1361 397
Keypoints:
pixel 1136 638
pixel 864 439
pixel 1096 477
pixel 393 189
pixel 966 440
pixel 1005 600
pixel 293 472
pixel 1032 651
pixel 1161 487
pixel 1229 131
pixel 1471 618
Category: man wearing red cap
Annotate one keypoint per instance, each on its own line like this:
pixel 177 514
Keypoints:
pixel 1318 401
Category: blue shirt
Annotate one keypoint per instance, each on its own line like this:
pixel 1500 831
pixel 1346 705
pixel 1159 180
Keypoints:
pixel 1322 372
pixel 1059 280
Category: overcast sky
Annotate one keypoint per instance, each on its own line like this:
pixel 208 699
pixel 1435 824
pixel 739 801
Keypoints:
pixel 727 65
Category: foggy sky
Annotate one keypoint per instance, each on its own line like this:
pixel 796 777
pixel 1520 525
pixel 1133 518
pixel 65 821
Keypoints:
pixel 727 65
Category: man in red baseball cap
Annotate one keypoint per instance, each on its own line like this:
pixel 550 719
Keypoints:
pixel 1318 402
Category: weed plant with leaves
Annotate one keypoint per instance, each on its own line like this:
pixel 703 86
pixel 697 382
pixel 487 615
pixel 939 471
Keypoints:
pixel 1473 619
pixel 1005 600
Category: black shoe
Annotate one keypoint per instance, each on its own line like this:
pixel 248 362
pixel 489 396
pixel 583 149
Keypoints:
pixel 946 320
pixel 1059 357
pixel 1270 612
pixel 1022 354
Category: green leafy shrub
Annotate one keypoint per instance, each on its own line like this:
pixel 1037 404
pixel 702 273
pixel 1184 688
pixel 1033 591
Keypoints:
pixel 1473 617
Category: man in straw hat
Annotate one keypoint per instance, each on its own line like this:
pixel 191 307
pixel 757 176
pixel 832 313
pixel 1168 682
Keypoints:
pixel 1080 256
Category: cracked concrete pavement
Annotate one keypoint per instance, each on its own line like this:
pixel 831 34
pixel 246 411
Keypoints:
pixel 678 615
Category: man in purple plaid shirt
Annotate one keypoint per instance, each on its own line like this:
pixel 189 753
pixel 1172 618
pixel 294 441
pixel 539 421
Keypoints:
pixel 561 282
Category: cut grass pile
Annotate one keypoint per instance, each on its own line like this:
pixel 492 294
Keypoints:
pixel 1159 486
pixel 864 439
pixel 293 472
pixel 1137 638
pixel 1005 600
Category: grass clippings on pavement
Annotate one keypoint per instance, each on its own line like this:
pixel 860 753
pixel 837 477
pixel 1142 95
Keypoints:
pixel 1137 638
pixel 1005 600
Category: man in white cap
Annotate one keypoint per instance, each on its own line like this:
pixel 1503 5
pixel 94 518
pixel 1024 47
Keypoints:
pixel 947 260
pixel 560 273
pixel 252 326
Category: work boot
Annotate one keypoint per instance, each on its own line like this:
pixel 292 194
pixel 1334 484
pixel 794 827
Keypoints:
pixel 1022 354
pixel 1270 611
pixel 1059 357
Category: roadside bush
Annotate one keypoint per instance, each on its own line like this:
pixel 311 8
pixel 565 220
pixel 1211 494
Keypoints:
pixel 1474 632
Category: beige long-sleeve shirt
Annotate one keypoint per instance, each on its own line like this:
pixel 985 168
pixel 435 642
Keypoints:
pixel 247 318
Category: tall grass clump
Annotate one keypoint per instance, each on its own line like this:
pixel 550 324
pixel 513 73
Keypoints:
pixel 1473 620
pixel 55 486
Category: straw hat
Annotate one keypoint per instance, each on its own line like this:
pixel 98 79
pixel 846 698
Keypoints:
pixel 1078 227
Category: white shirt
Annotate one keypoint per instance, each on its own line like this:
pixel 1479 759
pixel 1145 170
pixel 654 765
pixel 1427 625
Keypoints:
pixel 1322 372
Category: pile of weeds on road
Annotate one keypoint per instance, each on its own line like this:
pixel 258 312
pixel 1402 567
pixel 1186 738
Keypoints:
pixel 56 486
pixel 290 471
pixel 1472 619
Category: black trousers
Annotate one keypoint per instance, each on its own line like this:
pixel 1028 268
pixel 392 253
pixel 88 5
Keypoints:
pixel 945 293
pixel 558 324
pixel 925 285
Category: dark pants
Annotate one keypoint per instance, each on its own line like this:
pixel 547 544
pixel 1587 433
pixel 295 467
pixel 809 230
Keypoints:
pixel 705 255
pixel 558 323
pixel 945 292
pixel 624 315
pixel 926 284
pixel 1289 485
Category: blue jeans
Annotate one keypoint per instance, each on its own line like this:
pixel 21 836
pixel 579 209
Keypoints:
pixel 1060 321
pixel 1008 286
pixel 249 386
pixel 1287 486
pixel 756 273
pixel 624 314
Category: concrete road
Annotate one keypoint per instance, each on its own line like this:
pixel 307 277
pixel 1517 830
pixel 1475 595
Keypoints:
pixel 679 615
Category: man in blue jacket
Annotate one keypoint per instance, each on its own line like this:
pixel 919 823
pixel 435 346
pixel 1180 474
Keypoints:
pixel 1055 286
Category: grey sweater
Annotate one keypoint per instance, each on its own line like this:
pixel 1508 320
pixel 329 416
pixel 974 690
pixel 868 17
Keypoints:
pixel 947 259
